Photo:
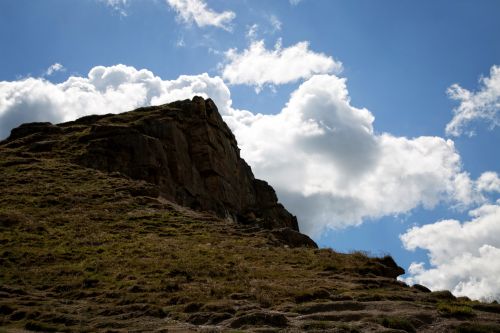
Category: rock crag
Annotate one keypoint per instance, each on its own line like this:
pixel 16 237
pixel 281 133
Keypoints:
pixel 184 148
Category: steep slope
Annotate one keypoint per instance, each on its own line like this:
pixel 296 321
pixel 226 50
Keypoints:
pixel 90 243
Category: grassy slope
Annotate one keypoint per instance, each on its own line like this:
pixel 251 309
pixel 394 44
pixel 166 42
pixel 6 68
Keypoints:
pixel 81 250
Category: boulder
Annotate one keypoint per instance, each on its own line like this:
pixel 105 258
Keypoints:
pixel 31 128
pixel 293 238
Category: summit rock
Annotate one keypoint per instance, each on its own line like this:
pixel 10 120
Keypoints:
pixel 184 148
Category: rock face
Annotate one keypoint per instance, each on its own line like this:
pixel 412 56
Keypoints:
pixel 184 148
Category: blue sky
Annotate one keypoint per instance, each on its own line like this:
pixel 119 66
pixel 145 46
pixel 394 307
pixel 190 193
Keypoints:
pixel 361 106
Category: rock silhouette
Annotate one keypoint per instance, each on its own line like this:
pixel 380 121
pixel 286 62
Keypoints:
pixel 184 148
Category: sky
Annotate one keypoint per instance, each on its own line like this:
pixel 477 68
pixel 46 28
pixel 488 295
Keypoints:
pixel 375 121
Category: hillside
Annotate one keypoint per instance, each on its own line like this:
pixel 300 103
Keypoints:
pixel 150 221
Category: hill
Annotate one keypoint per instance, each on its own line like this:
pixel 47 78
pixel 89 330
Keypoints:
pixel 150 221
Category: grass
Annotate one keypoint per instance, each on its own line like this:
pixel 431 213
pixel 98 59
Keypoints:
pixel 455 310
pixel 478 328
pixel 80 236
pixel 398 323
pixel 316 325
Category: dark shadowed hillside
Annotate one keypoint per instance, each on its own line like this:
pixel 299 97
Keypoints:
pixel 150 221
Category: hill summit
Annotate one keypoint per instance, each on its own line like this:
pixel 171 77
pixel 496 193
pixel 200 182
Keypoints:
pixel 185 149
pixel 150 221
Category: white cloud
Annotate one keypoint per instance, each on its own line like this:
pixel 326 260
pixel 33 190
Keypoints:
pixel 331 169
pixel 180 42
pixel 252 31
pixel 275 23
pixel 117 5
pixel 488 182
pixel 57 67
pixel 197 11
pixel 270 27
pixel 464 256
pixel 258 66
pixel 481 105
pixel 294 2
pixel 469 191
pixel 105 90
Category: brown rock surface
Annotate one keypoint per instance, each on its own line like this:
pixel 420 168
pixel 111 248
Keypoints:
pixel 184 148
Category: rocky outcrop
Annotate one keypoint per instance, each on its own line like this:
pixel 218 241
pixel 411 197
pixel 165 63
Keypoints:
pixel 30 128
pixel 293 238
pixel 184 148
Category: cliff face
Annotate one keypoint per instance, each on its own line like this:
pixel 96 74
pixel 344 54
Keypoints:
pixel 184 148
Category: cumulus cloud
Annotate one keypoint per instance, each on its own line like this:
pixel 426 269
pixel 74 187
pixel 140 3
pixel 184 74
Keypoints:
pixel 322 154
pixel 258 66
pixel 488 182
pixel 105 90
pixel 197 11
pixel 469 192
pixel 333 170
pixel 464 256
pixel 481 105
pixel 57 67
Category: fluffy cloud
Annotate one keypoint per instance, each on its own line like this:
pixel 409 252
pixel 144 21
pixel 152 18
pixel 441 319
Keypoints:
pixel 469 191
pixel 464 256
pixel 105 90
pixel 488 182
pixel 258 66
pixel 197 11
pixel 323 156
pixel 480 105
pixel 330 167
pixel 57 67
